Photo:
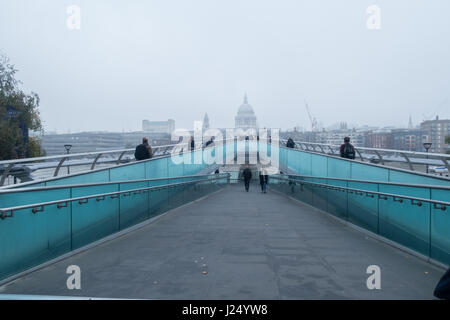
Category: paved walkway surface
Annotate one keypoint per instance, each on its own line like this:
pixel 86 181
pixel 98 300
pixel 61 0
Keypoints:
pixel 238 245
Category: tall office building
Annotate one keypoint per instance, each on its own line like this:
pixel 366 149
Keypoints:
pixel 436 131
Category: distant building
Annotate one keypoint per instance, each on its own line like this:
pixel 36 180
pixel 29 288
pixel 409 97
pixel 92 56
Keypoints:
pixel 379 140
pixel 436 131
pixel 408 139
pixel 336 137
pixel 246 118
pixel 205 125
pixel 158 126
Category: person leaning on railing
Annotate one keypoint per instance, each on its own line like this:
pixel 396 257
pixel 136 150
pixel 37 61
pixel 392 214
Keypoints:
pixel 290 143
pixel 347 150
pixel 143 151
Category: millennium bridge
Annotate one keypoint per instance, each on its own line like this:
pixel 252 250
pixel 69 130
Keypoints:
pixel 180 226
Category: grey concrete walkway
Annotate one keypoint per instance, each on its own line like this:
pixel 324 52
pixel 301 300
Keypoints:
pixel 238 245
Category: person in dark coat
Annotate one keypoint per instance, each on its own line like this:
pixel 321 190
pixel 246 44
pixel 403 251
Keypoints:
pixel 247 174
pixel 290 143
pixel 192 144
pixel 209 142
pixel 442 290
pixel 143 151
pixel 347 150
pixel 263 179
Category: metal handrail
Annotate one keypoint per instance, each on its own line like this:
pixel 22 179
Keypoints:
pixel 375 149
pixel 166 150
pixel 39 207
pixel 414 185
pixel 407 155
pixel 443 204
pixel 81 185
pixel 74 155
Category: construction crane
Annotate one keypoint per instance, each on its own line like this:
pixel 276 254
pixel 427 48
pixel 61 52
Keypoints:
pixel 313 120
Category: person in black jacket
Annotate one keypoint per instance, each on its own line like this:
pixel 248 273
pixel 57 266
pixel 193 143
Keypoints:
pixel 263 179
pixel 442 290
pixel 247 174
pixel 290 143
pixel 143 151
pixel 347 150
pixel 192 144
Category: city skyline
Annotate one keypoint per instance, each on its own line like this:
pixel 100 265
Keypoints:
pixel 154 60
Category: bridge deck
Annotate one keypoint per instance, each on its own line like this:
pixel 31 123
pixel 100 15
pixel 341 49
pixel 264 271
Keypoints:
pixel 250 245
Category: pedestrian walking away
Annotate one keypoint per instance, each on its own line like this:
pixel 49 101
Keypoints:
pixel 247 174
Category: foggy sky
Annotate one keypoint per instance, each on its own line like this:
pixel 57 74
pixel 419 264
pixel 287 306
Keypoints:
pixel 161 59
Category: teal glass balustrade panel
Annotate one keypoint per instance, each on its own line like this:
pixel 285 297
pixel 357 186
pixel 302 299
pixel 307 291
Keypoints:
pixel 292 159
pixel 302 192
pixel 305 191
pixel 304 164
pixel 134 172
pixel 320 194
pixel 158 182
pixel 363 208
pixel 403 222
pixel 157 168
pixel 338 200
pixel 440 228
pixel 195 163
pixel 283 159
pixel 405 177
pixel 159 201
pixel 360 171
pixel 176 196
pixel 338 168
pixel 134 207
pixel 22 197
pixel 89 177
pixel 293 164
pixel 28 239
pixel 319 166
pixel 176 169
pixel 94 220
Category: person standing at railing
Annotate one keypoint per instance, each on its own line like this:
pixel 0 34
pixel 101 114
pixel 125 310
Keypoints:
pixel 192 144
pixel 209 142
pixel 347 150
pixel 247 174
pixel 143 151
pixel 290 143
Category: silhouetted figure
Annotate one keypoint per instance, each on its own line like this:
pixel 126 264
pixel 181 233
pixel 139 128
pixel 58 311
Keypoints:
pixel 263 179
pixel 143 151
pixel 347 150
pixel 290 143
pixel 247 174
pixel 192 144
pixel 442 290
pixel 210 141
